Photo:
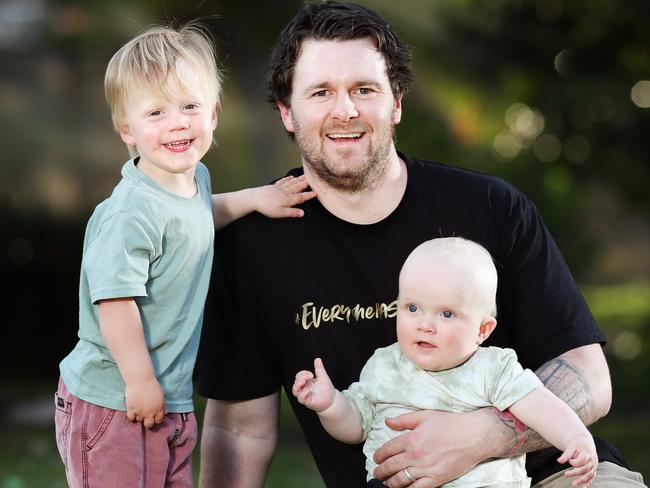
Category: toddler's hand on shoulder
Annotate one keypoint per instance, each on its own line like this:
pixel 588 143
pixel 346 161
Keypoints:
pixel 278 200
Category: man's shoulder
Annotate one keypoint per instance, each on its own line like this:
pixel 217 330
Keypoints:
pixel 437 169
pixel 459 182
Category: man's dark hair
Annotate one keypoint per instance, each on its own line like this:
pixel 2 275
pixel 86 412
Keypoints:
pixel 328 21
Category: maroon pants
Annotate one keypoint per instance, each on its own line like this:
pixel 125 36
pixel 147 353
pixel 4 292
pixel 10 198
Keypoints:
pixel 101 448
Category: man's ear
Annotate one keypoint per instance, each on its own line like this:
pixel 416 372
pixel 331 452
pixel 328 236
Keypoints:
pixel 485 329
pixel 397 110
pixel 285 114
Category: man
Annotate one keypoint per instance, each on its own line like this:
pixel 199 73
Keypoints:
pixel 287 291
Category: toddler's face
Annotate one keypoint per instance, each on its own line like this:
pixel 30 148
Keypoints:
pixel 439 324
pixel 172 128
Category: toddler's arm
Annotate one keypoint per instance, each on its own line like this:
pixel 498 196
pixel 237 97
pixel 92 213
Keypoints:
pixel 554 420
pixel 121 328
pixel 274 201
pixel 336 413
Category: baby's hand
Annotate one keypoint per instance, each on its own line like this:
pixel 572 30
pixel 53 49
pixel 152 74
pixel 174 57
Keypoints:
pixel 581 454
pixel 314 392
pixel 278 200
pixel 145 402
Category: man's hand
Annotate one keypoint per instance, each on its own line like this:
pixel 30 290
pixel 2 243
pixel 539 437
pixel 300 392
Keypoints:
pixel 441 447
pixel 145 402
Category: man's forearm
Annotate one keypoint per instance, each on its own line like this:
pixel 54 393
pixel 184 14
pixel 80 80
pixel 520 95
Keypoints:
pixel 581 379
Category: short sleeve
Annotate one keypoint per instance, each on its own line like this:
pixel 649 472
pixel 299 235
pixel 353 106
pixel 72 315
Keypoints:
pixel 509 381
pixel 116 261
pixel 359 393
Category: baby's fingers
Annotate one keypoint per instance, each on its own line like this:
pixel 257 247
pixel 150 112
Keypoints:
pixel 585 480
pixel 302 378
pixel 585 474
pixel 567 456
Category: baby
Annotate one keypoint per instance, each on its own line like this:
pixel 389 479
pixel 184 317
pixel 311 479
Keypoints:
pixel 446 309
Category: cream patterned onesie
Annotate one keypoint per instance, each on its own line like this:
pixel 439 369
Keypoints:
pixel 391 385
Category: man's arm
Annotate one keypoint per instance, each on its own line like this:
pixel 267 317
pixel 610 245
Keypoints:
pixel 580 377
pixel 238 442
pixel 445 445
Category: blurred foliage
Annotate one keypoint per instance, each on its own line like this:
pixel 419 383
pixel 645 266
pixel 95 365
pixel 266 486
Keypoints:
pixel 548 94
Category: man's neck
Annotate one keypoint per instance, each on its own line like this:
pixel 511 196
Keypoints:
pixel 369 205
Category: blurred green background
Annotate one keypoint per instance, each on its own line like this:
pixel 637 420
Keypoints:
pixel 552 95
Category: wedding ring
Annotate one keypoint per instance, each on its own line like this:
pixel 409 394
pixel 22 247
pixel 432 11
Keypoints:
pixel 409 475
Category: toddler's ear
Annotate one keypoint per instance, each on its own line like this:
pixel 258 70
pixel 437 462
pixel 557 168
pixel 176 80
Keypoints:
pixel 125 135
pixel 485 329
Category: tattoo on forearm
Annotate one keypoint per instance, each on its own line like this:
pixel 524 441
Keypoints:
pixel 568 383
pixel 520 431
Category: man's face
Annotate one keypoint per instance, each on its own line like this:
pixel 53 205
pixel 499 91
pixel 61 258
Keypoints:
pixel 342 112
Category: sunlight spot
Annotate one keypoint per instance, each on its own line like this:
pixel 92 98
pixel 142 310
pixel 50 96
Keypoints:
pixel 627 345
pixel 507 144
pixel 640 94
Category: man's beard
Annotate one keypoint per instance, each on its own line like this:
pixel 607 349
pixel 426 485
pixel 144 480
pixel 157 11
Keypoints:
pixel 340 176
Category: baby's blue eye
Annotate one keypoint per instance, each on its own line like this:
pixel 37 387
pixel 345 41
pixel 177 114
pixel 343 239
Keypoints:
pixel 447 314
pixel 413 308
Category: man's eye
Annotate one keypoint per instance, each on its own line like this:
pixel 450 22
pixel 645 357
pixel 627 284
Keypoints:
pixel 320 93
pixel 413 308
pixel 364 91
pixel 447 314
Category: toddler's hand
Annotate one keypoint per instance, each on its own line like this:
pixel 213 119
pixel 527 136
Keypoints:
pixel 314 392
pixel 145 402
pixel 278 200
pixel 581 454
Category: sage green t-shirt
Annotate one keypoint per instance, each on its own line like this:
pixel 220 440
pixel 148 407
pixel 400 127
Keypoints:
pixel 391 385
pixel 150 244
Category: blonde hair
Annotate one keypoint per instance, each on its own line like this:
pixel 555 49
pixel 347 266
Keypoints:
pixel 149 60
pixel 467 257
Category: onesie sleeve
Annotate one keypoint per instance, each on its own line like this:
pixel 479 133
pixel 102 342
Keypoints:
pixel 360 393
pixel 509 381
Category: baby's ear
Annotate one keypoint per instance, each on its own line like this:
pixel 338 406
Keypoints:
pixel 485 329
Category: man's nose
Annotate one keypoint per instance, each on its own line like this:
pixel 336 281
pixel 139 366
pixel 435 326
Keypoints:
pixel 345 109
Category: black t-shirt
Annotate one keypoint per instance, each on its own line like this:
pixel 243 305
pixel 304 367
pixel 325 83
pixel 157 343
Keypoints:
pixel 289 290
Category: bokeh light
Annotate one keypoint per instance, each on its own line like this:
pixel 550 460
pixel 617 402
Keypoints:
pixel 640 94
